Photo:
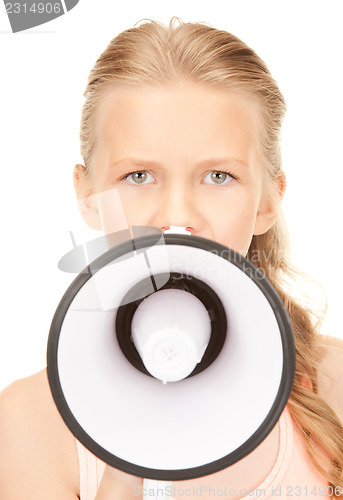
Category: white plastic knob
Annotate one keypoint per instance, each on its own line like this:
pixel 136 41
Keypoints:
pixel 171 330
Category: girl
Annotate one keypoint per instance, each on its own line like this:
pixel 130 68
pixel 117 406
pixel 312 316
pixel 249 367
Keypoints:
pixel 183 122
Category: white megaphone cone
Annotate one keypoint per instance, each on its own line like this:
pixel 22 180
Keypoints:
pixel 163 344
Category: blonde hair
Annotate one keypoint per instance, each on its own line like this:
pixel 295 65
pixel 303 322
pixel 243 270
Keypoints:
pixel 154 54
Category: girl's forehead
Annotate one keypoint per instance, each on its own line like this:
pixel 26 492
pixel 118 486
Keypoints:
pixel 192 118
pixel 189 100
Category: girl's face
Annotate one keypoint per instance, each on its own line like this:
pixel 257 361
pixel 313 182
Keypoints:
pixel 180 156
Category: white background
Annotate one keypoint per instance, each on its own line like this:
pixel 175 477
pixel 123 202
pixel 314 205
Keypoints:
pixel 43 76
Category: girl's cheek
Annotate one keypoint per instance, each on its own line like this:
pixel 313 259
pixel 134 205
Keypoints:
pixel 111 211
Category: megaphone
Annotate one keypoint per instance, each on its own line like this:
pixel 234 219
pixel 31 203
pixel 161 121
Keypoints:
pixel 158 351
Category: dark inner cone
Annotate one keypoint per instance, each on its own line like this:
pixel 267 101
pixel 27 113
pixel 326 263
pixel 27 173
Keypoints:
pixel 178 281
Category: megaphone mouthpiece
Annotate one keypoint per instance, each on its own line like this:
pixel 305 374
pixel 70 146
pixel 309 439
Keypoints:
pixel 176 230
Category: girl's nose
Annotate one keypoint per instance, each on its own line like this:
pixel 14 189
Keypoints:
pixel 177 209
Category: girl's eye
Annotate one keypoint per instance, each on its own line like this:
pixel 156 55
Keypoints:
pixel 215 177
pixel 139 177
pixel 218 177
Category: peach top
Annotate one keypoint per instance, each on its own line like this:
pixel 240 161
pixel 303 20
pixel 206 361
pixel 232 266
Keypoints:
pixel 292 475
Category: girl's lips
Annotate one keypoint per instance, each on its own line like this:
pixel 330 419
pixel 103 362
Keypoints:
pixel 176 230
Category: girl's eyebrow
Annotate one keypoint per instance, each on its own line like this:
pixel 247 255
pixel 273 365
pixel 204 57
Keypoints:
pixel 137 162
pixel 213 162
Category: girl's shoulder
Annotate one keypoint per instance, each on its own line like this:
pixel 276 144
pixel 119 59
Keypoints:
pixel 330 372
pixel 41 458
